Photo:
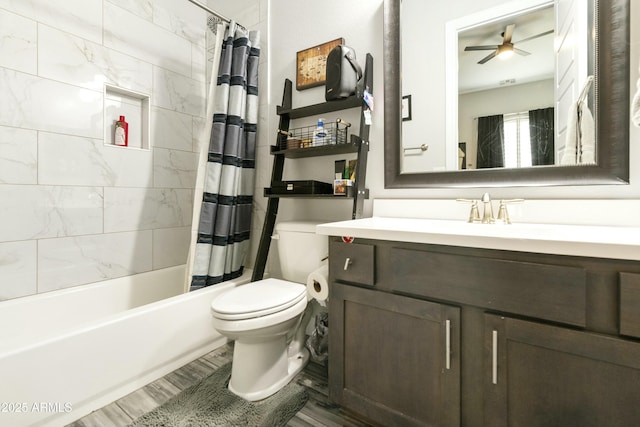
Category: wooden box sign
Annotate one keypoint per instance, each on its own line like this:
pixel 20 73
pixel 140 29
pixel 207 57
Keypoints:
pixel 311 64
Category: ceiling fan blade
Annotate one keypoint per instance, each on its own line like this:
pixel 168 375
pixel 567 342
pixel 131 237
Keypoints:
pixel 508 33
pixel 488 57
pixel 487 47
pixel 535 37
pixel 521 52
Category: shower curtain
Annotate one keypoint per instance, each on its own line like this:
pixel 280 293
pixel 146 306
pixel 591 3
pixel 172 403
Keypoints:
pixel 224 187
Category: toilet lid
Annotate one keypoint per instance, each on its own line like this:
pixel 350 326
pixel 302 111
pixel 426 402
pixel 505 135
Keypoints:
pixel 258 299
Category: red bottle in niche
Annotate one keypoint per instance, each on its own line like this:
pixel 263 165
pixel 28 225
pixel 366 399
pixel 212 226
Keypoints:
pixel 121 137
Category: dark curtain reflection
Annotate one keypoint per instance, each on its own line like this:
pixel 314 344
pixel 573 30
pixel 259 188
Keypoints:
pixel 490 142
pixel 541 133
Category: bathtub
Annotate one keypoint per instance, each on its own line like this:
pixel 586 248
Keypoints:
pixel 64 354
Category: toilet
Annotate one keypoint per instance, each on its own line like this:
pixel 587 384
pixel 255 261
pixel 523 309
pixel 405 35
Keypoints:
pixel 267 318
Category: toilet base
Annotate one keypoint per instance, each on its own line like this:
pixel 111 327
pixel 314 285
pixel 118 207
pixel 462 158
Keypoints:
pixel 260 369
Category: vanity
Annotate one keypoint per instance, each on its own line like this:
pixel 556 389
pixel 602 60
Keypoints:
pixel 446 323
pixel 438 322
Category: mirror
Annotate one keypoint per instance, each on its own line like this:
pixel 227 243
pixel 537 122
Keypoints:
pixel 609 102
pixel 504 61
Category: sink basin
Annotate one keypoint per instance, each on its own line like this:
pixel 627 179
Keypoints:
pixel 578 240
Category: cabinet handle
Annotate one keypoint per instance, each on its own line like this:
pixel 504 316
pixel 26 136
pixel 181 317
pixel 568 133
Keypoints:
pixel 494 358
pixel 447 343
pixel 347 263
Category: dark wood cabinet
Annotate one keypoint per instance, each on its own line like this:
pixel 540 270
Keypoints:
pixel 432 335
pixel 386 339
pixel 538 375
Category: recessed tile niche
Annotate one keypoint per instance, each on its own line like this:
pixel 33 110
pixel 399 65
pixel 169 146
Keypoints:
pixel 134 106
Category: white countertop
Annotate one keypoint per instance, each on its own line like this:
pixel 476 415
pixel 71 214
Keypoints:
pixel 578 240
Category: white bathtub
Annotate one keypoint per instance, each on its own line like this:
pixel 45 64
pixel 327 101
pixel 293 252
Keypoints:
pixel 66 353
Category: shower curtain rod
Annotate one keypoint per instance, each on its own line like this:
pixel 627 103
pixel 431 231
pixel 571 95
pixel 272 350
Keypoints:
pixel 216 14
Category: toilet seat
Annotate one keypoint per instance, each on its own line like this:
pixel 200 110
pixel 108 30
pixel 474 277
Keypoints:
pixel 258 299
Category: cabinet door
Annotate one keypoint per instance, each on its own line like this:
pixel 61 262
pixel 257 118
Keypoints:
pixel 394 359
pixel 541 375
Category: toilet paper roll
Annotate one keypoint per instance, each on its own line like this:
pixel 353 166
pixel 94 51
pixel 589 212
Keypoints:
pixel 318 285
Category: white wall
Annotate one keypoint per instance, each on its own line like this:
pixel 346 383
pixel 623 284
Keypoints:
pixel 296 25
pixel 74 210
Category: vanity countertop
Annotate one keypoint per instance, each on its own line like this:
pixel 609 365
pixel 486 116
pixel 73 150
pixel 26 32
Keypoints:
pixel 577 240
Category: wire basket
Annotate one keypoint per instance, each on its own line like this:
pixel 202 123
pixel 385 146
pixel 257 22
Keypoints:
pixel 305 137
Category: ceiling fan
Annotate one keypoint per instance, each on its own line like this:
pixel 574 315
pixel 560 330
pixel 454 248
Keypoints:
pixel 507 47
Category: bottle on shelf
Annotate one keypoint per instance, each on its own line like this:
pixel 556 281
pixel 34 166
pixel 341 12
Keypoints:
pixel 121 137
pixel 320 135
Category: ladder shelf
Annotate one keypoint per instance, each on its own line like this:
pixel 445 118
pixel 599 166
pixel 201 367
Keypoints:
pixel 358 144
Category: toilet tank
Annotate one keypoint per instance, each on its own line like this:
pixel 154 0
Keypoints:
pixel 300 249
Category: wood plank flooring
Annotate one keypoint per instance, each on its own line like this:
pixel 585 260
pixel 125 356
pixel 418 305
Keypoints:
pixel 318 411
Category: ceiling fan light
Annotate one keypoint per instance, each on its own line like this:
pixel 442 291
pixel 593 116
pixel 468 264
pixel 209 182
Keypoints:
pixel 505 51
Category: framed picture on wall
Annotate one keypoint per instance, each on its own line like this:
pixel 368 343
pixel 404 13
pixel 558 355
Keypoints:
pixel 406 108
pixel 311 64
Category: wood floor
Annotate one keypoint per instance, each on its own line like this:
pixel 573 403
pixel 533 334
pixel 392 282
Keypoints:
pixel 318 412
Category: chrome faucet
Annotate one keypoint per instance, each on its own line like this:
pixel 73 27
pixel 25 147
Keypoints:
pixel 487 212
pixel 474 214
pixel 503 213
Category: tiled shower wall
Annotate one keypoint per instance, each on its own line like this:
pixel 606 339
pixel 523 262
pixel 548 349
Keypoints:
pixel 72 209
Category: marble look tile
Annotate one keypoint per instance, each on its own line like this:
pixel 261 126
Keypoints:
pixel 35 103
pixel 201 134
pixel 142 8
pixel 18 42
pixel 171 129
pixel 177 92
pixel 70 160
pixel 36 212
pixel 80 17
pixel 17 269
pixel 132 108
pixel 73 60
pixel 18 156
pixel 71 261
pixel 181 18
pixel 141 39
pixel 198 63
pixel 133 168
pixel 170 246
pixel 174 169
pixel 143 209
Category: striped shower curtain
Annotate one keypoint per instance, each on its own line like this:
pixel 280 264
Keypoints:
pixel 225 211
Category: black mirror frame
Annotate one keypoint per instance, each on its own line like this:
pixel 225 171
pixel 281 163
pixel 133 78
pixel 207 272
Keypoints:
pixel 612 115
